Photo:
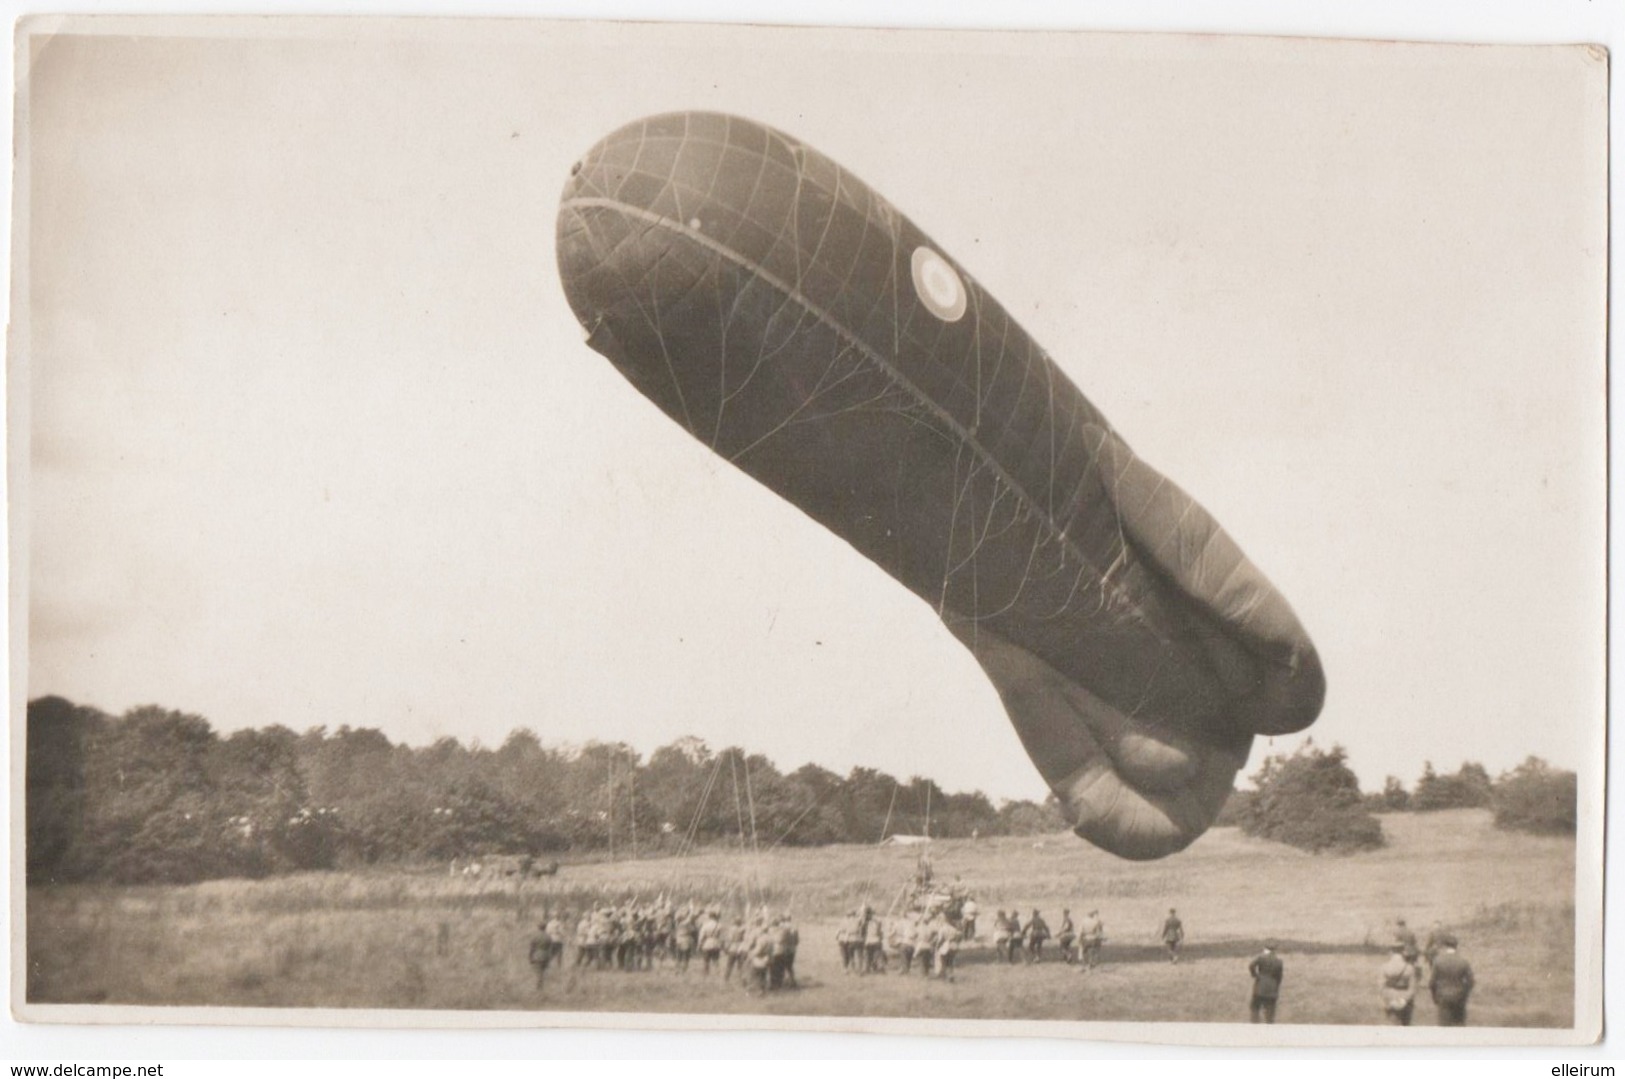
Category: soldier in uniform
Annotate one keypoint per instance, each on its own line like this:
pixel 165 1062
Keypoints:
pixel 1001 934
pixel 947 946
pixel 605 933
pixel 927 937
pixel 874 946
pixel 1173 934
pixel 1090 940
pixel 761 956
pixel 1451 983
pixel 686 937
pixel 779 961
pixel 925 944
pixel 1266 970
pixel 1405 937
pixel 710 941
pixel 1400 978
pixel 736 944
pixel 775 963
pixel 1037 934
pixel 901 942
pixel 1066 935
pixel 556 936
pixel 1434 945
pixel 790 941
pixel 584 941
pixel 627 945
pixel 843 941
pixel 856 928
pixel 541 953
pixel 1018 934
pixel 967 917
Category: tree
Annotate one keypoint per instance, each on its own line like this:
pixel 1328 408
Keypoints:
pixel 819 821
pixel 1311 800
pixel 58 735
pixel 1023 817
pixel 1476 786
pixel 869 806
pixel 1535 797
pixel 369 789
pixel 1468 788
pixel 965 815
pixel 1395 798
pixel 260 791
pixel 471 819
pixel 531 778
pixel 680 782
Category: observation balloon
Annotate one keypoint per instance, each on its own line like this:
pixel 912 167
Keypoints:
pixel 791 319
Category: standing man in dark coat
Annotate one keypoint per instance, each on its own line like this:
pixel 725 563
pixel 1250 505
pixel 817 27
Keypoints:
pixel 1266 970
pixel 1451 984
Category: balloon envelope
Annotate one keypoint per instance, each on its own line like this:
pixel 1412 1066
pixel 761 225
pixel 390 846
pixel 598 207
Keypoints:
pixel 790 318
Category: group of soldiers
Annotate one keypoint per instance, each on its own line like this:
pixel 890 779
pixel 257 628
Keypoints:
pixel 1014 941
pixel 930 937
pixel 924 938
pixel 640 937
pixel 1436 964
pixel 761 949
pixel 1078 943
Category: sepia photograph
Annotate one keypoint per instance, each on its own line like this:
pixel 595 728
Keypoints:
pixel 691 526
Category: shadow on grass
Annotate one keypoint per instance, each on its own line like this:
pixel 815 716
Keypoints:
pixel 1156 953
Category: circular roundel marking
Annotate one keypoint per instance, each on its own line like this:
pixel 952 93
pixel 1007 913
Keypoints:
pixel 938 285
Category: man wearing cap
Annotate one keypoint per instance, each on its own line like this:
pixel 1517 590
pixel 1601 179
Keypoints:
pixel 1266 970
pixel 1451 984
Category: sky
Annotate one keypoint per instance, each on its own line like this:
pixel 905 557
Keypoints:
pixel 312 438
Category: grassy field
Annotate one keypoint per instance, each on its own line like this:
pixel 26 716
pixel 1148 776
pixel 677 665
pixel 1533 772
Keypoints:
pixel 396 939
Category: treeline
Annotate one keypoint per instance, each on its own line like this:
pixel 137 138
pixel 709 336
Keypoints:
pixel 1312 800
pixel 158 796
pixel 1533 797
